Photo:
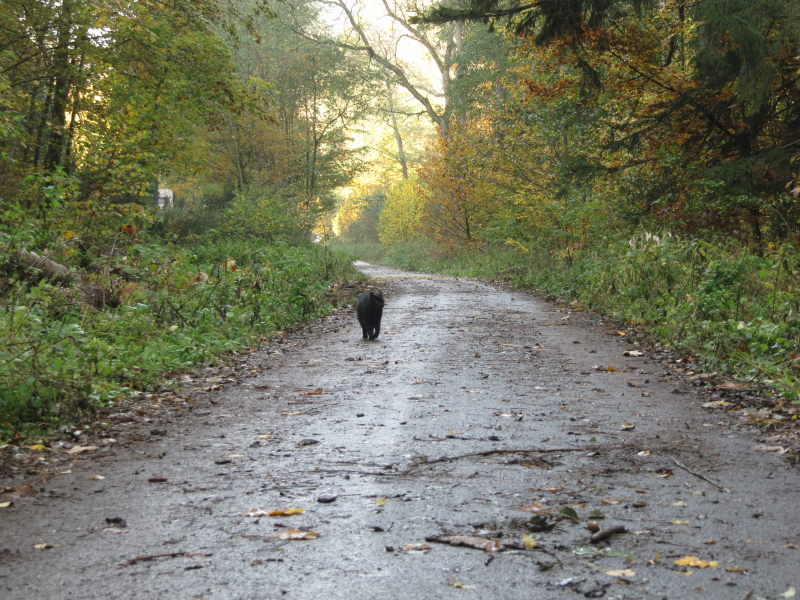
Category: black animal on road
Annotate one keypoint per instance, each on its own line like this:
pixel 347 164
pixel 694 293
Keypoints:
pixel 370 310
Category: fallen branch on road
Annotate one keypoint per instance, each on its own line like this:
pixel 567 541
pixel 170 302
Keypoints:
pixel 699 475
pixel 607 533
pixel 487 545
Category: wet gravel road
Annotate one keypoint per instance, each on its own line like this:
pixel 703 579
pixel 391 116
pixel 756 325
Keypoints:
pixel 479 412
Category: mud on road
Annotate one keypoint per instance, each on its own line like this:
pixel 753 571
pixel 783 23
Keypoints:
pixel 470 452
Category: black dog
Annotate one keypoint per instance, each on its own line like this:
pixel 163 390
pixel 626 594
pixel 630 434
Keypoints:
pixel 370 310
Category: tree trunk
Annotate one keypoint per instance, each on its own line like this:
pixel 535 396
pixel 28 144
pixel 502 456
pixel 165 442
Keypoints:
pixel 401 154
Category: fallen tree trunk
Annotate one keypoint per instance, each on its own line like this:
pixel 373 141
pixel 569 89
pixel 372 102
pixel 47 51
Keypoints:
pixel 31 264
pixel 35 267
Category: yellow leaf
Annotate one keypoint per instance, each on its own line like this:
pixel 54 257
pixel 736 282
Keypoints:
pixel 679 522
pixel 68 235
pixel 738 570
pixel 622 573
pixel 286 512
pixel 36 447
pixel 81 449
pixel 381 502
pixel 5 504
pixel 528 541
pixel 297 534
pixel 693 561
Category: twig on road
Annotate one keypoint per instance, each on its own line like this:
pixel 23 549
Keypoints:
pixel 699 475
pixel 487 545
pixel 148 557
pixel 607 533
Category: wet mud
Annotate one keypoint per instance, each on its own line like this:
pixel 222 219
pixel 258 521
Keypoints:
pixel 472 451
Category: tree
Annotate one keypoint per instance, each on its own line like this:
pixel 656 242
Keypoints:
pixel 403 212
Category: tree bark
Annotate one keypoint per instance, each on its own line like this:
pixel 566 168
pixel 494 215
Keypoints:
pixel 401 154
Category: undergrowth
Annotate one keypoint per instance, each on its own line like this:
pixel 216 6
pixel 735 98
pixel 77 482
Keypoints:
pixel 182 305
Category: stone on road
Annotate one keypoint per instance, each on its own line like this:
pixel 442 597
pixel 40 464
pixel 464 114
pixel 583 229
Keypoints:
pixel 472 451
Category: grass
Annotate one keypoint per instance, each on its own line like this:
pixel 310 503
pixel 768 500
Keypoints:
pixel 183 305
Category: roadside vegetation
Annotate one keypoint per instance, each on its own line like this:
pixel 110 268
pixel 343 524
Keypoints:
pixel 107 286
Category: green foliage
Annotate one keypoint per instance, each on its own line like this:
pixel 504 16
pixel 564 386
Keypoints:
pixel 269 216
pixel 61 360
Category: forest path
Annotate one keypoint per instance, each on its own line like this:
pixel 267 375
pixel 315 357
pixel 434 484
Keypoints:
pixel 387 443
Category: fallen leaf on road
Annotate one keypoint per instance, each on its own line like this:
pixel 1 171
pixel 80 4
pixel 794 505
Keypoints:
pixel 315 392
pixel 528 541
pixel 81 449
pixel 36 447
pixel 627 426
pixel 416 548
pixel 536 507
pixel 266 436
pixel 775 449
pixel 717 404
pixel 679 522
pixel 5 504
pixel 459 585
pixel 43 546
pixel 297 534
pixel 569 512
pixel 97 477
pixel 610 501
pixel 285 512
pixel 738 570
pixel 790 593
pixel 381 502
pixel 633 353
pixel 234 455
pixel 621 573
pixel 693 561
pixel 292 413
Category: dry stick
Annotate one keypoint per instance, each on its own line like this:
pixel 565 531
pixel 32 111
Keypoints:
pixel 147 557
pixel 699 475
pixel 606 533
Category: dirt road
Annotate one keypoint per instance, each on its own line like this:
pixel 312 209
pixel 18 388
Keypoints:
pixel 479 413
